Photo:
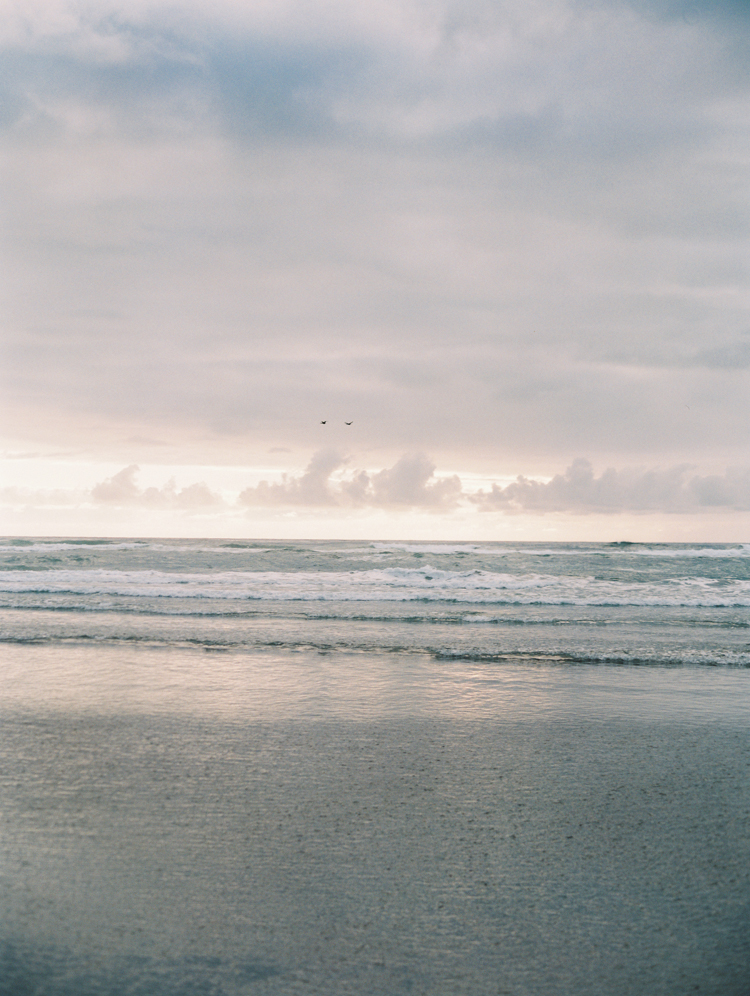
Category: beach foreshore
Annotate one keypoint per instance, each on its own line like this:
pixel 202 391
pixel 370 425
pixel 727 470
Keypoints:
pixel 600 847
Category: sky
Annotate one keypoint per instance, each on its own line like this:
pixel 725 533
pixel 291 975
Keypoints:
pixel 507 240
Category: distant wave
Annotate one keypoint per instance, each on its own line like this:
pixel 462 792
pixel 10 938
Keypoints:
pixel 560 550
pixel 379 549
pixel 64 546
pixel 742 550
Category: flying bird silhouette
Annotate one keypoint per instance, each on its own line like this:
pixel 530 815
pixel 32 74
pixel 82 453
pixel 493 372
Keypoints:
pixel 323 422
pixel 347 423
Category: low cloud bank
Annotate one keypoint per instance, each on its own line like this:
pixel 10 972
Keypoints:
pixel 121 489
pixel 410 483
pixel 579 490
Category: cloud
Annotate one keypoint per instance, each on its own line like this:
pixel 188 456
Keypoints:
pixel 329 485
pixel 410 483
pixel 488 231
pixel 694 10
pixel 732 356
pixel 121 489
pixel 579 490
pixel 488 74
pixel 311 488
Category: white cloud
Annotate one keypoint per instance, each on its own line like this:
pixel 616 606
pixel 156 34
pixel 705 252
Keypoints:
pixel 410 483
pixel 311 488
pixel 121 489
pixel 331 490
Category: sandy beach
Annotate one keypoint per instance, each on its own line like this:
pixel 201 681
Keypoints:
pixel 579 833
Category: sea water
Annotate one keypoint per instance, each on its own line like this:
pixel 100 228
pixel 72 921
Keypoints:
pixel 373 768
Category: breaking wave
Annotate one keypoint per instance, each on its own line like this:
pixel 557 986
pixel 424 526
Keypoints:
pixel 388 584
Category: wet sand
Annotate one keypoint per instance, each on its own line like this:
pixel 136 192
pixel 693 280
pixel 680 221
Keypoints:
pixel 597 846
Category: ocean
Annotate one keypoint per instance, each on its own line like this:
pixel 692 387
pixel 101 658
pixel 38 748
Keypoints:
pixel 374 768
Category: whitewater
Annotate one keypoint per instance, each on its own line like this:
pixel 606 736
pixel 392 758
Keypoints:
pixel 591 603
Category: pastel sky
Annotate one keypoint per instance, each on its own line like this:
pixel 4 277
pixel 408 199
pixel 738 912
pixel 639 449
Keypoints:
pixel 506 239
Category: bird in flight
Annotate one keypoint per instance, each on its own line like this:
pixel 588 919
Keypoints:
pixel 323 422
pixel 347 423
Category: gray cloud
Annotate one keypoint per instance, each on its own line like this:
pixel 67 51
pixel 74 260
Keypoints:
pixel 579 490
pixel 464 72
pixel 503 234
pixel 691 10
pixel 732 356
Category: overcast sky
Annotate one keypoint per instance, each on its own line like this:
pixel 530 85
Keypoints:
pixel 506 239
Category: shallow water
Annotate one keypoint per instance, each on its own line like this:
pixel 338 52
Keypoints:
pixel 222 796
pixel 183 822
